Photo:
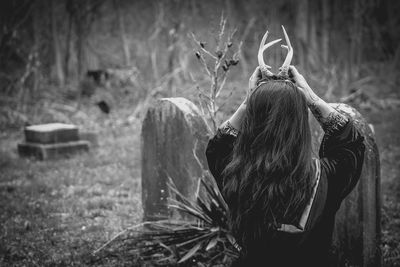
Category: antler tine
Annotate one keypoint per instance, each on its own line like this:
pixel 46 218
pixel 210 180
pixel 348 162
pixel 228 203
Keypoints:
pixel 285 66
pixel 261 62
pixel 264 67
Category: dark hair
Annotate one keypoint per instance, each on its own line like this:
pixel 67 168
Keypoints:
pixel 268 179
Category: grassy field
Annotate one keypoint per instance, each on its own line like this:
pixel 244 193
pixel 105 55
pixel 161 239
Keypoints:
pixel 56 213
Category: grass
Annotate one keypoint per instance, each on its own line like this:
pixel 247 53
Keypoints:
pixel 388 137
pixel 55 213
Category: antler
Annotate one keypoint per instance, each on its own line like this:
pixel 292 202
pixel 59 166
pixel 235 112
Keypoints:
pixel 264 67
pixel 285 66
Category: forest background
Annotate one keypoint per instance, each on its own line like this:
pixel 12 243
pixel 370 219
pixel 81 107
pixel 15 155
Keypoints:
pixel 51 52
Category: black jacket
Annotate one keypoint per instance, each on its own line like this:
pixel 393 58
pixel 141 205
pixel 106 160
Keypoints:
pixel 341 158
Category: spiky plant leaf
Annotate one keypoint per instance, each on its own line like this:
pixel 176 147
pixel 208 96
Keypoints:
pixel 203 237
pixel 212 243
pixel 191 252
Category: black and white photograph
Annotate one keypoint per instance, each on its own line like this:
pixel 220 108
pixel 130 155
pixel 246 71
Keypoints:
pixel 227 133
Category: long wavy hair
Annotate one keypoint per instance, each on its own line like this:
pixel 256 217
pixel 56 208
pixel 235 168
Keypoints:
pixel 268 180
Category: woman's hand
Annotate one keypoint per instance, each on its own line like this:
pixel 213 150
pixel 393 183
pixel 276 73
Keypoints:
pixel 302 84
pixel 254 79
pixel 326 115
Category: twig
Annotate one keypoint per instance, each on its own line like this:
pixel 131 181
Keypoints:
pixel 222 83
pixel 119 234
pixel 224 103
pixel 222 25
pixel 202 48
pixel 203 61
pixel 195 155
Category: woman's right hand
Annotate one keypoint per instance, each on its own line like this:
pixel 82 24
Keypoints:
pixel 322 111
pixel 302 84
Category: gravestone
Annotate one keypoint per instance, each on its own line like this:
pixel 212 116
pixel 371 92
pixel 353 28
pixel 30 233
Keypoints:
pixel 173 129
pixel 51 141
pixel 51 133
pixel 357 230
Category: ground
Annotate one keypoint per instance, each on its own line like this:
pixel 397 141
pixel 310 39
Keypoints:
pixel 56 213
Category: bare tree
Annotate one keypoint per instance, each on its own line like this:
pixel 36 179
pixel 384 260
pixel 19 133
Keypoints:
pixel 122 32
pixel 83 13
pixel 217 72
pixel 56 44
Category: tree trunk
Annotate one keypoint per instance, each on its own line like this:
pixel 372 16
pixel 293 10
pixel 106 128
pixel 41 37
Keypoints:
pixel 68 48
pixel 301 32
pixel 36 43
pixel 357 35
pixel 312 45
pixel 325 31
pixel 80 43
pixel 124 40
pixel 56 45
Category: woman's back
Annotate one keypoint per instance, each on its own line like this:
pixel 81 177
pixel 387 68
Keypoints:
pixel 290 224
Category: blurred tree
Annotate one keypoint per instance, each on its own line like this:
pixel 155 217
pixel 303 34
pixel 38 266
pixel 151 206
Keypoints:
pixel 83 13
pixel 58 64
pixel 301 32
pixel 333 40
pixel 122 31
pixel 68 39
pixel 14 18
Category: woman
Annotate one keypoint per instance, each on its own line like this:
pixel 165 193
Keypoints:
pixel 282 200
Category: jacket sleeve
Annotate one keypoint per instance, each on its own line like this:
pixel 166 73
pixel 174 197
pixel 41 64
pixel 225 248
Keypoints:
pixel 219 153
pixel 342 156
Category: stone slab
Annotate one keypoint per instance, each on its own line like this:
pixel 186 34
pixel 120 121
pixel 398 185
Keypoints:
pixel 51 133
pixel 52 151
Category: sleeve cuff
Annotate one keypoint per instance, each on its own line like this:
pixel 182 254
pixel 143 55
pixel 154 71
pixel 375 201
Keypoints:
pixel 334 123
pixel 228 129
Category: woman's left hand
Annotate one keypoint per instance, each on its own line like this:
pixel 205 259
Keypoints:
pixel 254 79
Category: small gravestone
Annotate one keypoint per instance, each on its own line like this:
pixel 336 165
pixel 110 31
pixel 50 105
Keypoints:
pixel 51 141
pixel 173 132
pixel 51 133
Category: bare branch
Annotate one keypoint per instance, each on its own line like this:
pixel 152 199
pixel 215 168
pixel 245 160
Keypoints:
pixel 222 25
pixel 222 83
pixel 203 61
pixel 218 73
pixel 225 100
pixel 238 51
pixel 202 48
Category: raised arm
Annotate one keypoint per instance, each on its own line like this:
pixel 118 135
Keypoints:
pixel 234 122
pixel 342 148
pixel 328 117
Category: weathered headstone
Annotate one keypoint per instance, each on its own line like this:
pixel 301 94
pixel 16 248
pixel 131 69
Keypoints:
pixel 173 127
pixel 173 130
pixel 51 141
pixel 356 236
